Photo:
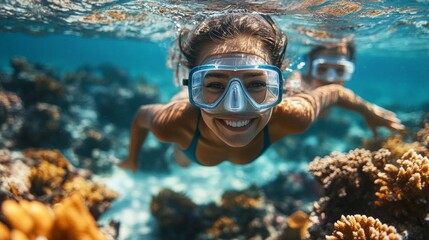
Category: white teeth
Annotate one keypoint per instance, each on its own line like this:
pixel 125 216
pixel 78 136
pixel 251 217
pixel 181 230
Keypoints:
pixel 237 124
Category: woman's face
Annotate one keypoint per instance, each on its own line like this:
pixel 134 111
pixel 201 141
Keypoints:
pixel 323 68
pixel 236 129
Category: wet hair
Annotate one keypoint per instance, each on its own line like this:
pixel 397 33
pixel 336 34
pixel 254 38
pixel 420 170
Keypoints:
pixel 229 26
pixel 344 48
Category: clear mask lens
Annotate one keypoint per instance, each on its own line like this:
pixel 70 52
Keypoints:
pixel 235 87
pixel 332 69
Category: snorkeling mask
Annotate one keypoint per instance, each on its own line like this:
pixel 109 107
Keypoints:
pixel 235 83
pixel 332 69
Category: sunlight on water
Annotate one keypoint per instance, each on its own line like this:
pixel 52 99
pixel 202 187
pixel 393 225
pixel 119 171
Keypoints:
pixel 374 24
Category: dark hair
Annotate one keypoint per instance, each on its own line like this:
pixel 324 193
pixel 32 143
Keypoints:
pixel 346 48
pixel 230 26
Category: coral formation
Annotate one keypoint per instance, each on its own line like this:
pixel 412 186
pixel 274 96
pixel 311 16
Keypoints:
pixel 378 184
pixel 11 117
pixel 41 108
pixel 423 136
pixel 296 226
pixel 45 177
pixel 362 227
pixel 245 214
pixel 69 219
pixel 404 187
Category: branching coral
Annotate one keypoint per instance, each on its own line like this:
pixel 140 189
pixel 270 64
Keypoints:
pixel 405 186
pixel 362 227
pixel 380 184
pixel 70 219
pixel 338 172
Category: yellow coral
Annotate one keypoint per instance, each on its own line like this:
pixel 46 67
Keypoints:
pixel 362 227
pixel 296 226
pixel 52 156
pixel 69 219
pixel 233 200
pixel 45 178
pixel 223 225
pixel 406 184
pixel 92 192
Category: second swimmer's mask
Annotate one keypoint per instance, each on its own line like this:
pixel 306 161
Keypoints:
pixel 332 69
pixel 235 83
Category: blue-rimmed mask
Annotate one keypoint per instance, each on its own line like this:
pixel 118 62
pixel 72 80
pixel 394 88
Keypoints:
pixel 331 69
pixel 235 83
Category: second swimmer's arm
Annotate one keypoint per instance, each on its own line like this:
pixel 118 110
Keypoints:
pixel 325 96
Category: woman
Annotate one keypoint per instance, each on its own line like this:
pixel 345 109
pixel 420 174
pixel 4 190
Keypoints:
pixel 233 108
pixel 330 63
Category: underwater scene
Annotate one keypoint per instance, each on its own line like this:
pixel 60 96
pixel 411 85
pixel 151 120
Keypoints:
pixel 73 74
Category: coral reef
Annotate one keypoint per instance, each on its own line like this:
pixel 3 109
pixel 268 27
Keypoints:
pixel 404 187
pixel 378 184
pixel 296 226
pixel 362 227
pixel 11 117
pixel 350 188
pixel 69 219
pixel 74 112
pixel 45 177
pixel 245 214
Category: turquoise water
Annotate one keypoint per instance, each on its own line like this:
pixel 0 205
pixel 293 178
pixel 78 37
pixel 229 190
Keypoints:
pixel 392 71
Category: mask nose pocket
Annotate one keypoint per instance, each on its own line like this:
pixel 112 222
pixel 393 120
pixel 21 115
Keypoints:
pixel 331 74
pixel 234 100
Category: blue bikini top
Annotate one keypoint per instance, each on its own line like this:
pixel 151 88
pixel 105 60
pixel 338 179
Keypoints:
pixel 190 152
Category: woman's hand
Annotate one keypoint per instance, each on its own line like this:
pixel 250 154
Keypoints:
pixel 381 117
pixel 129 164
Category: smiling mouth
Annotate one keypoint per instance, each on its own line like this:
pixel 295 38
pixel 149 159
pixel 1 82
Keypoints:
pixel 237 124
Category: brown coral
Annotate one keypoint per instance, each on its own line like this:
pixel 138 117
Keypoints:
pixel 47 176
pixel 69 219
pixel 338 171
pixel 241 199
pixel 170 207
pixel 406 185
pixel 423 136
pixel 362 227
pixel 398 147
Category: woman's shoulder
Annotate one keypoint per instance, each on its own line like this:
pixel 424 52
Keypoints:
pixel 176 118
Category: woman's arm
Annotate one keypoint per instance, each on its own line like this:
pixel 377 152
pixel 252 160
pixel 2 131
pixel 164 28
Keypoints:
pixel 138 134
pixel 174 122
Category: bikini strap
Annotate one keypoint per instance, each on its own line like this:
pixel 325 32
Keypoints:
pixel 267 141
